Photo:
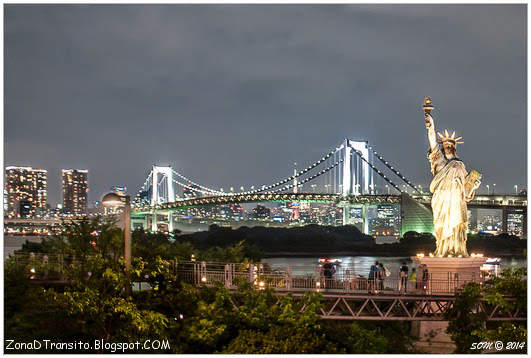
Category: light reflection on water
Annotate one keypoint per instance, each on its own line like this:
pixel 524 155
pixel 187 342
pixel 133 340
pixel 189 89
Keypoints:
pixel 361 264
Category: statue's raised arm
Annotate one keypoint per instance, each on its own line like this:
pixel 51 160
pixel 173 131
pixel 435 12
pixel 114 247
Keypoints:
pixel 428 106
pixel 431 131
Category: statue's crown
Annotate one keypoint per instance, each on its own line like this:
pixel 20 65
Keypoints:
pixel 450 138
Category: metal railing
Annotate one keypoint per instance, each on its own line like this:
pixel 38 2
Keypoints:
pixel 346 281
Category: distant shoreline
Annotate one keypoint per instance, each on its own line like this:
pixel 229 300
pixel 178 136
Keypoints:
pixel 351 253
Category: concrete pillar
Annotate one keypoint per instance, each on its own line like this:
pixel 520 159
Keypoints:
pixel 154 221
pixel 364 214
pixel 346 214
pixel 432 337
pixel 505 215
pixel 170 221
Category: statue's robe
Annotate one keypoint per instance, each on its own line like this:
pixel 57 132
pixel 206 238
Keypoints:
pixel 450 218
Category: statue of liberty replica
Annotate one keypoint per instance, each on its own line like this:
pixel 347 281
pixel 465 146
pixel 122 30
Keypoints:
pixel 452 188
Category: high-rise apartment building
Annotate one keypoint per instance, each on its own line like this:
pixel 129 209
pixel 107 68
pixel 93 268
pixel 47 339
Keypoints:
pixel 75 191
pixel 25 191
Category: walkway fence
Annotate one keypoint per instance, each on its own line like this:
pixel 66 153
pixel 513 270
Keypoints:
pixel 262 275
pixel 348 295
pixel 345 280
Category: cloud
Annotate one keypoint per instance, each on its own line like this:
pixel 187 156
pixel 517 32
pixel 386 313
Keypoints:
pixel 233 94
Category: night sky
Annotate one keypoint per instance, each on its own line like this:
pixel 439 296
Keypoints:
pixel 234 94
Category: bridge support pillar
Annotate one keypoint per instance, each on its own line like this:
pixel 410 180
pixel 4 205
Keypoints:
pixel 154 227
pixel 170 222
pixel 346 214
pixel 364 216
pixel 505 217
pixel 432 337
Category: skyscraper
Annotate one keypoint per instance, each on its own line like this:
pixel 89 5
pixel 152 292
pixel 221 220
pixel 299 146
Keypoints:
pixel 75 189
pixel 25 191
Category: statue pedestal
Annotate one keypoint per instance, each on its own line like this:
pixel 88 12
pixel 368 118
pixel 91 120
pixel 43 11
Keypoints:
pixel 446 275
pixel 449 273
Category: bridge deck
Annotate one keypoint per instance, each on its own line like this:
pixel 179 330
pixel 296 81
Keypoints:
pixel 487 201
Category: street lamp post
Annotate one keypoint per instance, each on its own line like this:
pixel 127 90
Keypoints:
pixel 516 190
pixel 115 200
pixel 493 188
pixel 488 189
pixel 387 186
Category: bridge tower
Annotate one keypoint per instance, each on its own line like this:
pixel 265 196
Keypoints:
pixel 295 206
pixel 162 176
pixel 357 178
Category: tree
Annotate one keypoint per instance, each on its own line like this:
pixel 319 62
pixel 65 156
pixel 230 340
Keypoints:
pixel 467 325
pixel 463 321
pixel 512 283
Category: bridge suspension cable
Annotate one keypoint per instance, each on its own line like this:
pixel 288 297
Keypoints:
pixel 262 188
pixel 392 168
pixel 143 187
pixel 310 178
pixel 195 189
pixel 284 181
pixel 359 154
pixel 204 188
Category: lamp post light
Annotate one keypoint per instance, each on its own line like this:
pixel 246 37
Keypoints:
pixel 113 200
pixel 516 190
pixel 493 188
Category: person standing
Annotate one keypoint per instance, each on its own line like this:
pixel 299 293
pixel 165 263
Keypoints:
pixel 425 278
pixel 373 275
pixel 403 277
pixel 381 276
pixel 413 279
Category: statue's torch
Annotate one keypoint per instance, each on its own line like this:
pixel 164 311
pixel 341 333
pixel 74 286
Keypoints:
pixel 427 107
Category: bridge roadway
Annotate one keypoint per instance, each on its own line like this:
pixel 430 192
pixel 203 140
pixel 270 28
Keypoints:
pixel 483 201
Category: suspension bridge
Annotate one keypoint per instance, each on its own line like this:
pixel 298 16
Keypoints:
pixel 348 176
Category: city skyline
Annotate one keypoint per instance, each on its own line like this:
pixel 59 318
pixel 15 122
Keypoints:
pixel 115 89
